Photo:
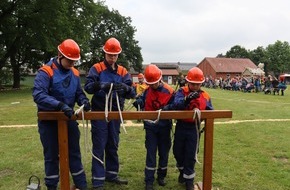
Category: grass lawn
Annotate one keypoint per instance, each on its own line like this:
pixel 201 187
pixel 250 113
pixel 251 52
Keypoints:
pixel 251 153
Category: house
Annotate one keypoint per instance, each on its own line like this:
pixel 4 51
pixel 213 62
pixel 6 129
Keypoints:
pixel 184 67
pixel 172 70
pixel 226 67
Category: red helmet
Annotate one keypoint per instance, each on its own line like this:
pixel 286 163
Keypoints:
pixel 112 46
pixel 282 78
pixel 70 49
pixel 195 75
pixel 152 74
pixel 140 76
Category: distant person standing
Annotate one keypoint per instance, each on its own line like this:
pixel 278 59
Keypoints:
pixel 181 81
pixel 57 87
pixel 282 84
pixel 186 135
pixel 141 86
pixel 257 84
pixel 104 78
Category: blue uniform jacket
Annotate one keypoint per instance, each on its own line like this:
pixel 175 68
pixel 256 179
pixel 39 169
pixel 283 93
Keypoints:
pixel 54 84
pixel 103 72
pixel 202 103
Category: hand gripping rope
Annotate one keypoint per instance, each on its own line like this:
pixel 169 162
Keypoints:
pixel 109 98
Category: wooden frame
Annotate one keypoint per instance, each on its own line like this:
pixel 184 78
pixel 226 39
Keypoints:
pixel 207 115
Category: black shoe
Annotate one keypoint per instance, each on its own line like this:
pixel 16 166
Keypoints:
pixel 79 188
pixel 82 188
pixel 149 187
pixel 161 181
pixel 118 181
pixel 51 188
pixel 189 185
pixel 181 178
pixel 98 188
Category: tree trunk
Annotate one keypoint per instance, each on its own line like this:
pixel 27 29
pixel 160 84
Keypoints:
pixel 16 73
pixel 16 77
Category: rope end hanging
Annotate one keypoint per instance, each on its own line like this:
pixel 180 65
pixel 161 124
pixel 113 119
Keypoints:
pixel 155 121
pixel 196 117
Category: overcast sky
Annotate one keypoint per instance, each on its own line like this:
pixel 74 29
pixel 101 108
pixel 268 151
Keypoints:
pixel 189 30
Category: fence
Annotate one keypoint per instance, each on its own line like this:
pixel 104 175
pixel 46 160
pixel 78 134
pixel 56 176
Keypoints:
pixel 207 115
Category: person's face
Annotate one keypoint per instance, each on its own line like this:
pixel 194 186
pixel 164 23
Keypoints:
pixel 111 58
pixel 154 86
pixel 67 63
pixel 194 86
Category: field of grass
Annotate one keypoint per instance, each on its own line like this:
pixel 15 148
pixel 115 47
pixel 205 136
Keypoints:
pixel 251 153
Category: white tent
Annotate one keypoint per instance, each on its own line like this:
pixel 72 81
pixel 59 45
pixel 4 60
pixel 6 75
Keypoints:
pixel 252 72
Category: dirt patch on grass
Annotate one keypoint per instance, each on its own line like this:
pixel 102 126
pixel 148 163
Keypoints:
pixel 5 172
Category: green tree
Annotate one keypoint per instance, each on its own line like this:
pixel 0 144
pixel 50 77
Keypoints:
pixel 32 29
pixel 278 57
pixel 258 55
pixel 112 24
pixel 237 52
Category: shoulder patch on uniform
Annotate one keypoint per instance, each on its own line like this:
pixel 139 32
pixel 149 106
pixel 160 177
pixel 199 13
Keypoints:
pixel 122 70
pixel 75 71
pixel 205 95
pixel 185 88
pixel 100 67
pixel 168 87
pixel 48 70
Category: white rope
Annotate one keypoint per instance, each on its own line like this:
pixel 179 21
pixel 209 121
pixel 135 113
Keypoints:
pixel 120 113
pixel 86 129
pixel 107 103
pixel 196 117
pixel 81 109
pixel 155 121
pixel 109 99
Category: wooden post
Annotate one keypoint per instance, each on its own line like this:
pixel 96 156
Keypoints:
pixel 207 115
pixel 208 153
pixel 63 154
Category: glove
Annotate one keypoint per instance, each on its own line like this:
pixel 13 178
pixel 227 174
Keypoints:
pixel 137 103
pixel 121 88
pixel 87 105
pixel 105 86
pixel 166 108
pixel 191 96
pixel 66 109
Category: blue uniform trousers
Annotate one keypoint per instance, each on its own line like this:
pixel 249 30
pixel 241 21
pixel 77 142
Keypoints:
pixel 184 148
pixel 105 138
pixel 49 138
pixel 157 140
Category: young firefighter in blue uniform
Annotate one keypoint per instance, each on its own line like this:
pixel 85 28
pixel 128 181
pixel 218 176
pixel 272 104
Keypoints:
pixel 186 135
pixel 105 77
pixel 57 87
pixel 157 137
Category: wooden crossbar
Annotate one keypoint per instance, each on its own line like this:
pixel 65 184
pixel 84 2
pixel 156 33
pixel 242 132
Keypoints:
pixel 207 115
